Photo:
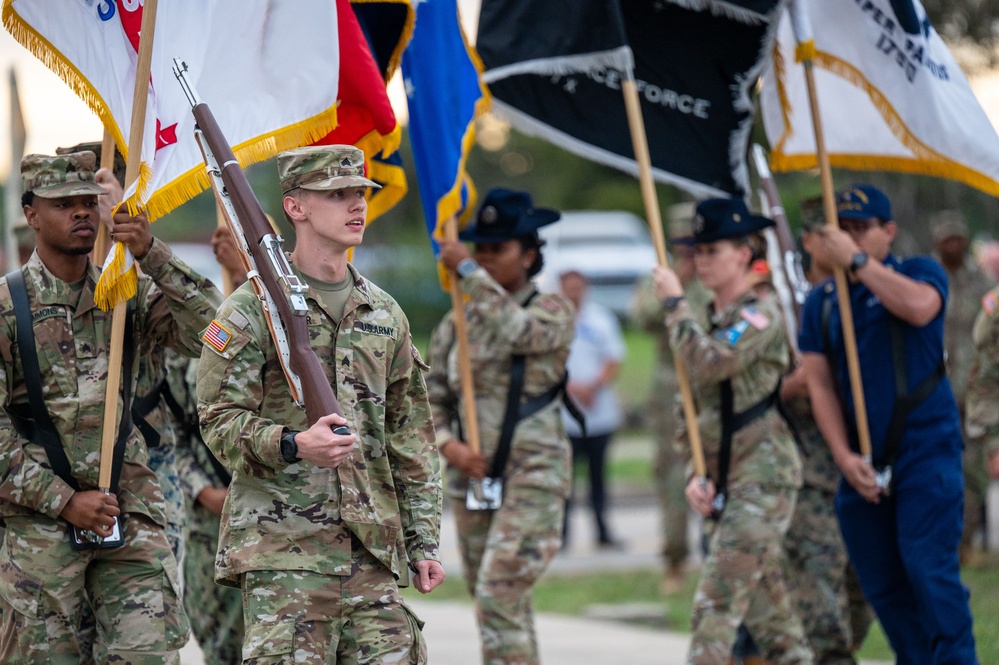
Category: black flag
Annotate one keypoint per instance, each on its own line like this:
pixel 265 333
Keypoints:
pixel 557 74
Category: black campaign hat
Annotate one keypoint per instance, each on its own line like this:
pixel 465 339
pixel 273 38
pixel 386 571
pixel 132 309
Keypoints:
pixel 506 214
pixel 723 219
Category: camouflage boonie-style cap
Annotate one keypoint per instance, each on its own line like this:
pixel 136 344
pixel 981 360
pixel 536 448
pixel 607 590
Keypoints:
pixel 322 168
pixel 60 176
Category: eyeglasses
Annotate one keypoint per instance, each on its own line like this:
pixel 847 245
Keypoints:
pixel 858 227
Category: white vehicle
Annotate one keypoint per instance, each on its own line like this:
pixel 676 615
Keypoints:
pixel 612 248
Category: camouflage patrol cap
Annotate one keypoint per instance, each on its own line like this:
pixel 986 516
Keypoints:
pixel 813 214
pixel 947 224
pixel 680 218
pixel 322 167
pixel 60 176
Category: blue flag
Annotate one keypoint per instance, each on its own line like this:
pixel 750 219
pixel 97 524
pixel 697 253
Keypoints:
pixel 442 77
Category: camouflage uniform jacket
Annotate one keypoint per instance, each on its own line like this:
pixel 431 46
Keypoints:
pixel 72 336
pixel 967 286
pixel 983 389
pixel 194 460
pixel 647 313
pixel 299 517
pixel 747 345
pixel 819 470
pixel 499 326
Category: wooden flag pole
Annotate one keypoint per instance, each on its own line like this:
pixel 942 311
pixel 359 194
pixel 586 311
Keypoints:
pixel 115 350
pixel 471 432
pixel 641 146
pixel 842 288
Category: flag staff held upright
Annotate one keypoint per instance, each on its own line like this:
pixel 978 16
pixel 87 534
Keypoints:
pixel 461 339
pixel 636 125
pixel 805 54
pixel 111 400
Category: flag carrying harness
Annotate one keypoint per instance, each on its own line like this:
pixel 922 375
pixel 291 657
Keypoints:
pixel 34 422
pixel 905 401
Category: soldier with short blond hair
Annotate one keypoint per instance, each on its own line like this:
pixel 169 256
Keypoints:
pixel 320 529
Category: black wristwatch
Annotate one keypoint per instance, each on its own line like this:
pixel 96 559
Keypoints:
pixel 289 449
pixel 671 303
pixel 858 261
pixel 466 267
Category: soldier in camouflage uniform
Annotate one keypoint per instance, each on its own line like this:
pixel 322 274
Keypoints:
pixel 215 610
pixel 745 353
pixel 506 550
pixel 319 528
pixel 817 564
pixel 664 412
pixel 967 287
pixel 982 409
pixel 133 588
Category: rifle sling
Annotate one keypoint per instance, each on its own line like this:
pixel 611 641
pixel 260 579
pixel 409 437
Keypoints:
pixel 38 426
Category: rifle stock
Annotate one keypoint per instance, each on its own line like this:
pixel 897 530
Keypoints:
pixel 282 293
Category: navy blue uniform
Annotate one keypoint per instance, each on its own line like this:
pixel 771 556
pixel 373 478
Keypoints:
pixel 905 549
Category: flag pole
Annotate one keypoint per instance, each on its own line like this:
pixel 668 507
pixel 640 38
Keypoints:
pixel 471 431
pixel 142 70
pixel 641 146
pixel 12 188
pixel 842 288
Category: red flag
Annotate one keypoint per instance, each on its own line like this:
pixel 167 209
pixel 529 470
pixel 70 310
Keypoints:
pixel 364 113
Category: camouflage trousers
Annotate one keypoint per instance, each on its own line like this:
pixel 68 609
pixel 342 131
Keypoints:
pixel 742 581
pixel 815 568
pixel 215 611
pixel 296 616
pixel 670 480
pixel 45 586
pixel 163 462
pixel 976 487
pixel 504 552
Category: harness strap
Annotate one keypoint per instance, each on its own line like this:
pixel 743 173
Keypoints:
pixel 732 422
pixel 142 407
pixel 39 428
pixel 905 402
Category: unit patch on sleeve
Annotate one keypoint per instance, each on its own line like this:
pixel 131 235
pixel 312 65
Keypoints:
pixel 217 337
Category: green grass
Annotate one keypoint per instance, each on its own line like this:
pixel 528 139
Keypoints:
pixel 575 594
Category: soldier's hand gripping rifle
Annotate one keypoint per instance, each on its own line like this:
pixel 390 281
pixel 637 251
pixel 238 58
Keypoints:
pixel 281 292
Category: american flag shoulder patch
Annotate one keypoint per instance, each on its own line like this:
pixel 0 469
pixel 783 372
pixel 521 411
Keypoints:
pixel 217 337
pixel 755 317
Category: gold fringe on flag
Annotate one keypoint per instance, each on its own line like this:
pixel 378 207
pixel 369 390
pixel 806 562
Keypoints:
pixel 193 182
pixel 926 161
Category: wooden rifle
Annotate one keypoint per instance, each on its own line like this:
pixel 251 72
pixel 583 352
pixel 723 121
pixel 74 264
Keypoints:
pixel 790 283
pixel 281 292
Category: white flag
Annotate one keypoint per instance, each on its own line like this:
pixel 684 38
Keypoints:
pixel 891 96
pixel 267 68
